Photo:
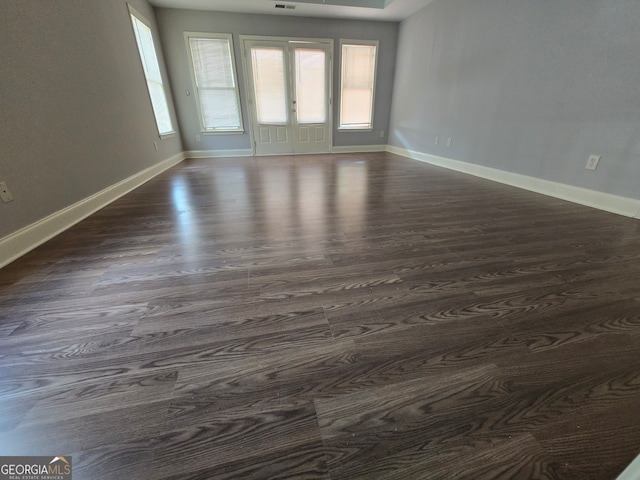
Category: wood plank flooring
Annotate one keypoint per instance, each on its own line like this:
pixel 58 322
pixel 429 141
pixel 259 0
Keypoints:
pixel 334 317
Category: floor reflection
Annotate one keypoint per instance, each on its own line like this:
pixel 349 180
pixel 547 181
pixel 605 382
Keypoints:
pixel 276 203
pixel 351 195
pixel 186 223
pixel 312 207
pixel 308 199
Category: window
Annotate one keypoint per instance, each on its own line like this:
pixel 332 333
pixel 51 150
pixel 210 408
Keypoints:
pixel 151 68
pixel 214 76
pixel 357 84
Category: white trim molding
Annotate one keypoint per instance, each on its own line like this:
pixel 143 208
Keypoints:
pixel 628 207
pixel 243 152
pixel 358 148
pixel 15 245
pixel 632 472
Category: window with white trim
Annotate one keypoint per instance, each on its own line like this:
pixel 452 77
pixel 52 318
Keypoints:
pixel 214 76
pixel 151 67
pixel 357 84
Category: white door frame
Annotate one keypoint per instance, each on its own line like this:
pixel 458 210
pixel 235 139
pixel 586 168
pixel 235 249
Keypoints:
pixel 244 39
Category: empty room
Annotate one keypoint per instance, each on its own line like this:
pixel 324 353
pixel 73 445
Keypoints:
pixel 320 239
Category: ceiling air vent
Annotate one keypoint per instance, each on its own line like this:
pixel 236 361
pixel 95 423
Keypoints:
pixel 282 5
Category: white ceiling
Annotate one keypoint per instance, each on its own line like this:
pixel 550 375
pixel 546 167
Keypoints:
pixel 389 10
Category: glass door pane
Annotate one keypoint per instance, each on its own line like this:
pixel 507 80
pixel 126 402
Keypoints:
pixel 269 83
pixel 310 84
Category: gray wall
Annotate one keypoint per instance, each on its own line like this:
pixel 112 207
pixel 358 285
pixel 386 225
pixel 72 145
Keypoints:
pixel 527 86
pixel 173 23
pixel 75 112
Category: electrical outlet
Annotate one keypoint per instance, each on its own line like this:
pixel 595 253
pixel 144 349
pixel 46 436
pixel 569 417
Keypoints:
pixel 381 133
pixel 5 194
pixel 449 142
pixel 197 138
pixel 592 163
pixel 155 145
pixel 437 139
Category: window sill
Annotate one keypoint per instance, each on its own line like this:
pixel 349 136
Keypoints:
pixel 222 132
pixel 350 129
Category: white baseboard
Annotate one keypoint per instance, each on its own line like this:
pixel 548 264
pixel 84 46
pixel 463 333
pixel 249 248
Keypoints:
pixel 632 472
pixel 248 152
pixel 359 148
pixel 26 239
pixel 242 152
pixel 591 198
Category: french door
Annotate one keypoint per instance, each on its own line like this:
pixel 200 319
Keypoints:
pixel 289 85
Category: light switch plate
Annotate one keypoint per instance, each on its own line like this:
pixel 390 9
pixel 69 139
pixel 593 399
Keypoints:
pixel 592 163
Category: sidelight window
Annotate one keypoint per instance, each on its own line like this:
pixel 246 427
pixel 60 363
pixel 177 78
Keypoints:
pixel 357 84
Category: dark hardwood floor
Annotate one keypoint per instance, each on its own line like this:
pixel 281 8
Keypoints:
pixel 333 317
